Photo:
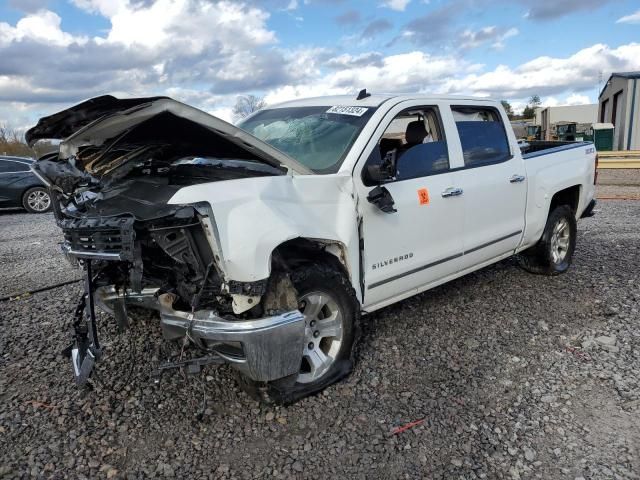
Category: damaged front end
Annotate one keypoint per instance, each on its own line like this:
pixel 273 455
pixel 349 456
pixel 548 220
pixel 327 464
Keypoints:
pixel 120 164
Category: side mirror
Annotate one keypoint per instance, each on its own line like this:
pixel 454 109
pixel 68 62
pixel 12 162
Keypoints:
pixel 381 198
pixel 377 173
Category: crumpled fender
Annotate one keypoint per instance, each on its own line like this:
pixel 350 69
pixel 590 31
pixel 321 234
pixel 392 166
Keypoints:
pixel 255 215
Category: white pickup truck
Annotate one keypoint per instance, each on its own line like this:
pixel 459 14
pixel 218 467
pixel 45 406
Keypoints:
pixel 261 244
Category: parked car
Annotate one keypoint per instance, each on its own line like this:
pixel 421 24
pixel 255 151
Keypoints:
pixel 262 244
pixel 19 187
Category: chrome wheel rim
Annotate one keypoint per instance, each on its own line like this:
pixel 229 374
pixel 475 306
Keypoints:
pixel 323 335
pixel 39 201
pixel 560 240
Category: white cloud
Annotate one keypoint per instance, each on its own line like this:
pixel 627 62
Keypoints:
pixel 386 74
pixel 550 102
pixel 572 99
pixel 632 18
pixel 496 35
pixel 42 26
pixel 549 75
pixel 189 25
pixel 292 5
pixel 577 99
pixel 225 113
pixel 426 70
pixel 499 44
pixel 106 8
pixel 397 5
pixel 519 104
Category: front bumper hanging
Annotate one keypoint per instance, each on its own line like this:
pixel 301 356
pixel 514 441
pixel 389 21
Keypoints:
pixel 264 349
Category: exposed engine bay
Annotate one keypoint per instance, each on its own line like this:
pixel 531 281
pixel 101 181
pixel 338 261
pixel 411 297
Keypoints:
pixel 111 202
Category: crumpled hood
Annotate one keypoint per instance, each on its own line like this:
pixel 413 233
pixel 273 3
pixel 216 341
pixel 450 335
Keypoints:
pixel 62 124
pixel 102 118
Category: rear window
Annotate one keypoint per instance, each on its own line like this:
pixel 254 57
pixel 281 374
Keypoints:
pixel 10 166
pixel 482 135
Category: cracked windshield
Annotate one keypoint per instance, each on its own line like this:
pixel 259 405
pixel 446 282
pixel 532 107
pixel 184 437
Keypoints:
pixel 314 136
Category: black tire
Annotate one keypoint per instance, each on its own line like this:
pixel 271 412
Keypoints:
pixel 36 207
pixel 327 280
pixel 539 259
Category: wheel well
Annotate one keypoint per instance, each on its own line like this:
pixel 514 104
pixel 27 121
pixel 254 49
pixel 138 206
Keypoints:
pixel 569 196
pixel 300 251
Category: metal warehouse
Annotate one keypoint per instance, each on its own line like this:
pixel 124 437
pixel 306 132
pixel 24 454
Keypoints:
pixel 620 105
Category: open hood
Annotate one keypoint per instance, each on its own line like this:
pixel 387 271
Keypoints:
pixel 104 118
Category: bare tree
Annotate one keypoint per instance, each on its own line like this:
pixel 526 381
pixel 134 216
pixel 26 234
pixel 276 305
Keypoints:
pixel 246 105
pixel 12 143
pixel 530 110
pixel 535 101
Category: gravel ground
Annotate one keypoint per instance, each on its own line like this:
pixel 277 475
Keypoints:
pixel 514 376
pixel 619 183
pixel 619 176
pixel 29 253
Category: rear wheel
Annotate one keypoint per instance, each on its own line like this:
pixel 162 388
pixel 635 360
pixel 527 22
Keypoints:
pixel 36 200
pixel 328 302
pixel 553 253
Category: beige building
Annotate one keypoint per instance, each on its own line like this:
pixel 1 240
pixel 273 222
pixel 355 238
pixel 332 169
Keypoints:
pixel 549 117
pixel 620 105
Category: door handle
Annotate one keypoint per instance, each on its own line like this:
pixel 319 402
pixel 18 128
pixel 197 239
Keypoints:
pixel 517 179
pixel 452 192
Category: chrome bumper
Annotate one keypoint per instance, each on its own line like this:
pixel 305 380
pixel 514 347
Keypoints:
pixel 263 349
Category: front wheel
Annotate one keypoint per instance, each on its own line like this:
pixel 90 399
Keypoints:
pixel 328 302
pixel 553 253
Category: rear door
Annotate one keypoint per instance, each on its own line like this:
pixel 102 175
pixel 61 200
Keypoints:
pixel 14 178
pixel 494 183
pixel 421 241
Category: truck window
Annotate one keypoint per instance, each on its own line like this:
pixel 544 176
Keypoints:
pixel 415 137
pixel 482 135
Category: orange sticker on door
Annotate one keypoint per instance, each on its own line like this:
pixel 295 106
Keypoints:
pixel 423 196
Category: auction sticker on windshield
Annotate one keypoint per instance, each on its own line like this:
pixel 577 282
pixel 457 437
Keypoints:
pixel 345 110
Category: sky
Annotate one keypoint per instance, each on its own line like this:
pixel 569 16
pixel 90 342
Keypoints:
pixel 56 53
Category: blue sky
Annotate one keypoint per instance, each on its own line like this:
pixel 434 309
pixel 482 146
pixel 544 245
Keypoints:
pixel 58 52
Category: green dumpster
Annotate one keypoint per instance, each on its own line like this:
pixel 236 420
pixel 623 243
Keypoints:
pixel 603 136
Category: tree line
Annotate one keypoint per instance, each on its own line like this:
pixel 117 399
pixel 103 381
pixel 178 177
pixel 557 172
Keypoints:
pixel 528 112
pixel 12 143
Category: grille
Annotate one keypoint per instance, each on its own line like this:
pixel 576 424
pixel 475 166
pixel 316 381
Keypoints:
pixel 107 239
pixel 100 241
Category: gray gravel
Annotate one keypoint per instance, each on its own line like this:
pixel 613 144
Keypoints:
pixel 619 176
pixel 515 376
pixel 29 253
pixel 619 183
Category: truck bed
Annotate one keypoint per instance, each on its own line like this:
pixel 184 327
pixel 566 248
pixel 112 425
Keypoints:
pixel 538 148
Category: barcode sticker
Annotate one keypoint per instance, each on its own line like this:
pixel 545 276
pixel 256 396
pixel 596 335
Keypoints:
pixel 346 110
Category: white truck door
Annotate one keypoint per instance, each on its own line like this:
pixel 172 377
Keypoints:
pixel 421 241
pixel 494 183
